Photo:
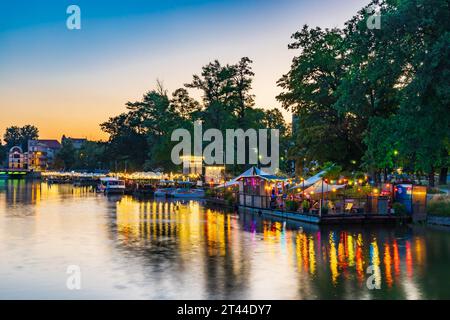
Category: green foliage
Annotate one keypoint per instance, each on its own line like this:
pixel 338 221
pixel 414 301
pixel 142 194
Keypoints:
pixel 332 172
pixel 439 206
pixel 399 209
pixel 141 137
pixel 305 205
pixel 65 158
pixel 380 96
pixel 322 133
pixel 210 193
pixel 292 205
pixel 91 156
pixel 229 197
pixel 357 191
pixel 19 136
pixel 3 155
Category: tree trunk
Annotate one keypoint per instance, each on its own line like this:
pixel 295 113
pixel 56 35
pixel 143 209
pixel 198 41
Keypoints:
pixel 431 178
pixel 443 176
pixel 378 176
pixel 385 174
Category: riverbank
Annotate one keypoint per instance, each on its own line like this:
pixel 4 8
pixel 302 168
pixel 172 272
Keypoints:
pixel 438 220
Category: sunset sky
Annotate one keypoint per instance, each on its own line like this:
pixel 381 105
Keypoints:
pixel 68 81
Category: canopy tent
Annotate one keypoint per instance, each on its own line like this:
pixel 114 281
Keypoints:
pixel 232 182
pixel 252 172
pixel 326 187
pixel 310 181
pixel 257 172
pixel 145 176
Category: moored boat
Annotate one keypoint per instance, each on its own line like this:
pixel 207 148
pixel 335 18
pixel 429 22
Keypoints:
pixel 188 193
pixel 111 186
pixel 163 192
pixel 144 189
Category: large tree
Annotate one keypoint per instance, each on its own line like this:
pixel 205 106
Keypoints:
pixel 65 158
pixel 424 116
pixel 323 133
pixel 3 154
pixel 375 97
pixel 19 136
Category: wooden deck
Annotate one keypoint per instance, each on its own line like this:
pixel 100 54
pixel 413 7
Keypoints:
pixel 329 218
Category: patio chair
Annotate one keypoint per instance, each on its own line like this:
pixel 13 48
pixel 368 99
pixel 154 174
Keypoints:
pixel 348 207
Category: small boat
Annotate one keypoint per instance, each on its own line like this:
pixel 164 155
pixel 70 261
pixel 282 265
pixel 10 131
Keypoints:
pixel 188 193
pixel 144 189
pixel 163 192
pixel 111 186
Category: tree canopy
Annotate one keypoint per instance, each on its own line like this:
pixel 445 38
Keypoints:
pixel 374 98
pixel 19 136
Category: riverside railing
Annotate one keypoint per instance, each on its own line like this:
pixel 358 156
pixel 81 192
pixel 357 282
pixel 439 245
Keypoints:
pixel 338 205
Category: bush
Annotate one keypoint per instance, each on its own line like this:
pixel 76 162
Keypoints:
pixel 292 205
pixel 229 197
pixel 399 209
pixel 439 206
pixel 305 205
pixel 210 192
pixel 435 191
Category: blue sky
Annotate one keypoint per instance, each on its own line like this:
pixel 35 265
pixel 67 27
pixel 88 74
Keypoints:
pixel 68 81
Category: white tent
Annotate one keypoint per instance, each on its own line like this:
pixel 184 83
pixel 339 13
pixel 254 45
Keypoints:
pixel 146 175
pixel 310 181
pixel 318 187
pixel 253 171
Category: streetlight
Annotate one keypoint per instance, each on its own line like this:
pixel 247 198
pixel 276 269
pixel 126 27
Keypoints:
pixel 395 159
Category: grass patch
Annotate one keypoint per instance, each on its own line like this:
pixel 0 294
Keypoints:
pixel 435 191
pixel 439 206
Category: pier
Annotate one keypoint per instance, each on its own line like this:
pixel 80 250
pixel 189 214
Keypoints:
pixel 347 218
pixel 19 173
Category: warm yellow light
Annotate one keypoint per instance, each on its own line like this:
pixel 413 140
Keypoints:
pixel 334 190
pixel 375 190
pixel 360 181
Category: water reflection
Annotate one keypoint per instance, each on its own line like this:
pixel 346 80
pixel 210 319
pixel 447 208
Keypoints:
pixel 183 249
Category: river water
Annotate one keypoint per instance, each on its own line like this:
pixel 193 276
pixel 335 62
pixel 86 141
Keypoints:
pixel 55 236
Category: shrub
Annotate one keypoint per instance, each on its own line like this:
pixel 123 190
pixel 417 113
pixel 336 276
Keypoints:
pixel 229 197
pixel 435 191
pixel 439 206
pixel 292 205
pixel 399 209
pixel 210 192
pixel 305 205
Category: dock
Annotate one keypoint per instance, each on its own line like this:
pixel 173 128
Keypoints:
pixel 19 174
pixel 347 218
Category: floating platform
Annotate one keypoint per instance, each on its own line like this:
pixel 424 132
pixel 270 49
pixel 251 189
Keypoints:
pixel 350 218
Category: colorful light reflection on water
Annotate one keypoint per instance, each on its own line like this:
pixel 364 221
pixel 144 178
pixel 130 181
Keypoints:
pixel 128 248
